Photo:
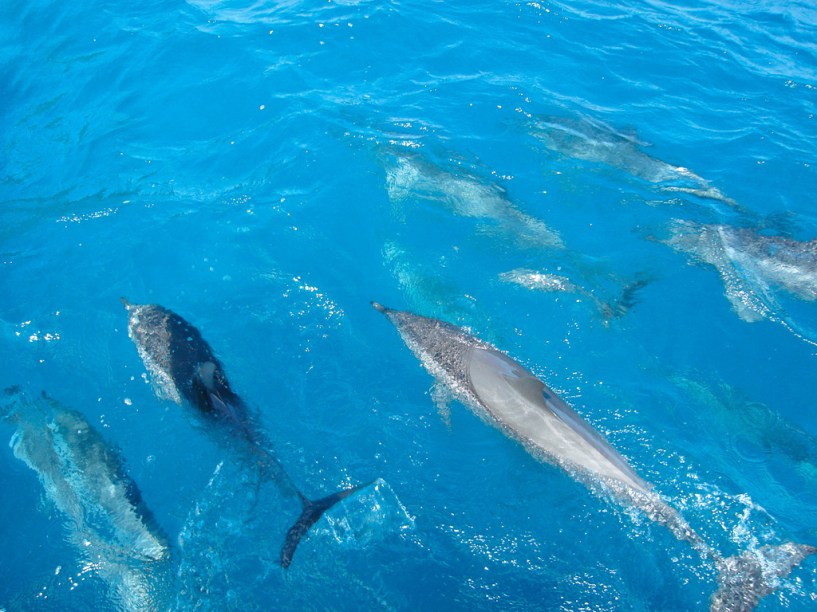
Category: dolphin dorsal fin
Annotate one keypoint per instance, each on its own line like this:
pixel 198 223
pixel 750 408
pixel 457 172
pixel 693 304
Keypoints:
pixel 517 376
pixel 206 374
pixel 526 383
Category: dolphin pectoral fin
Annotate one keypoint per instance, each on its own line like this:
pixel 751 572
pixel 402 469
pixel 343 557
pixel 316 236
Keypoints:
pixel 441 396
pixel 311 513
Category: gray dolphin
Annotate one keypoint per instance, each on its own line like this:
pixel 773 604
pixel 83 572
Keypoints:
pixel 753 268
pixel 85 478
pixel 504 394
pixel 591 140
pixel 183 367
pixel 556 283
pixel 409 175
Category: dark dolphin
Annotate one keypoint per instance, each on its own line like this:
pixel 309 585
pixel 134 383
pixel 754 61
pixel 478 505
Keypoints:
pixel 183 367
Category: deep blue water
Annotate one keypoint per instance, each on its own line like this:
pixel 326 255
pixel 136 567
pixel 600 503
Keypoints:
pixel 267 169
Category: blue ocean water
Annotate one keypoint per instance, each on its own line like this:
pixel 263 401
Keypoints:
pixel 267 169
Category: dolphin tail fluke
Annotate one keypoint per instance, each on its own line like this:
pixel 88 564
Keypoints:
pixel 312 511
pixel 746 578
pixel 629 295
pixel 628 298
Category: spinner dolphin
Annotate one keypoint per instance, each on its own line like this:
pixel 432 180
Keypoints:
pixel 85 478
pixel 503 393
pixel 411 176
pixel 591 140
pixel 755 269
pixel 183 368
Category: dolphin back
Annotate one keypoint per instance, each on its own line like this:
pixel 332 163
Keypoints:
pixel 539 418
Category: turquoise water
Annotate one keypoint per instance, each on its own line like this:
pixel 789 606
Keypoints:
pixel 267 169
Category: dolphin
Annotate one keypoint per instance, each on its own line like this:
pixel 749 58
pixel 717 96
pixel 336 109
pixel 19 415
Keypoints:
pixel 752 267
pixel 183 368
pixel 410 175
pixel 591 140
pixel 556 283
pixel 85 478
pixel 504 394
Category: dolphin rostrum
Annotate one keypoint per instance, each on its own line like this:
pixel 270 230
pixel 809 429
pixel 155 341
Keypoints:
pixel 183 367
pixel 506 395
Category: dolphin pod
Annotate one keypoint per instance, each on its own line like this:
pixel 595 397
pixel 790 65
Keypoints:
pixel 183 367
pixel 506 395
pixel 85 477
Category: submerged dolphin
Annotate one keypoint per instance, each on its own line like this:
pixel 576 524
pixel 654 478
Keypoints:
pixel 591 140
pixel 556 283
pixel 410 175
pixel 85 478
pixel 752 266
pixel 183 367
pixel 506 395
